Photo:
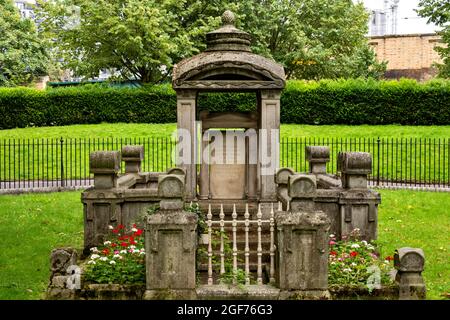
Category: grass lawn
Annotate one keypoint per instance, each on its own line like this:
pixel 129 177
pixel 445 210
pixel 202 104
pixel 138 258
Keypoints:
pixel 131 130
pixel 34 224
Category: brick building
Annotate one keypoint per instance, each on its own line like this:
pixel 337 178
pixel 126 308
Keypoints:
pixel 408 55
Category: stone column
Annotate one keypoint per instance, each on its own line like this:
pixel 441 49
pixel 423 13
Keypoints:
pixel 269 137
pixel 132 156
pixel 204 169
pixel 186 125
pixel 318 157
pixel 171 244
pixel 252 174
pixel 409 263
pixel 358 205
pixel 302 240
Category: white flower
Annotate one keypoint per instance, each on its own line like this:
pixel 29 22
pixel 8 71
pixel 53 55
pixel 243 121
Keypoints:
pixel 95 256
pixel 142 253
pixel 142 250
pixel 353 264
pixel 386 261
pixel 332 262
pixel 91 262
pixel 370 247
pixel 123 251
pixel 355 246
pixel 110 227
pixel 364 242
pixel 104 259
pixel 134 229
pixel 94 249
pixel 332 236
pixel 347 270
pixel 116 256
pixel 132 247
pixel 136 251
pixel 112 262
pixel 106 243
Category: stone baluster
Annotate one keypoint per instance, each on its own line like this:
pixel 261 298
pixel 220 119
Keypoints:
pixel 409 263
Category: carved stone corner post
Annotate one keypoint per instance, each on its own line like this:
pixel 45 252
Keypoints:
pixel 358 205
pixel 281 179
pixel 302 257
pixel 409 263
pixel 171 244
pixel 302 190
pixel 318 157
pixel 354 166
pixel 105 165
pixel 102 203
pixel 132 156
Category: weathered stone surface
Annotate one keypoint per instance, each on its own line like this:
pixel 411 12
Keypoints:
pixel 409 263
pixel 302 242
pixel 61 259
pixel 171 190
pixel 318 157
pixel 132 155
pixel 282 176
pixel 354 166
pixel 359 210
pixel 105 165
pixel 301 185
pixel 227 292
pixel 177 171
pixel 170 246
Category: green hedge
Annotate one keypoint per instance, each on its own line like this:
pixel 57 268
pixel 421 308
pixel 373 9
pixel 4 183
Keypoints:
pixel 325 102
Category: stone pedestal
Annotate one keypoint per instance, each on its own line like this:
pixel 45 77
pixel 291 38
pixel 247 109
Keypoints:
pixel 132 156
pixel 105 165
pixel 302 261
pixel 409 263
pixel 171 244
pixel 318 157
pixel 354 167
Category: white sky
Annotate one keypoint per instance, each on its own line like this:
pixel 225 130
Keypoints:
pixel 408 20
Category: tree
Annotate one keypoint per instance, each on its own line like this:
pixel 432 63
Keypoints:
pixel 313 39
pixel 139 39
pixel 23 55
pixel 438 12
pixel 142 39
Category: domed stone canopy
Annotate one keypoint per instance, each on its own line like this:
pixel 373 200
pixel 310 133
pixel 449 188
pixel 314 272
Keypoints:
pixel 228 64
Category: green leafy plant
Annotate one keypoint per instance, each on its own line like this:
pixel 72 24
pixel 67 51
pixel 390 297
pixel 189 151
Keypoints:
pixel 121 260
pixel 355 262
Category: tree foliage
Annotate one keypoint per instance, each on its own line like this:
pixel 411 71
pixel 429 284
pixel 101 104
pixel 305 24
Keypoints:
pixel 142 39
pixel 438 12
pixel 23 55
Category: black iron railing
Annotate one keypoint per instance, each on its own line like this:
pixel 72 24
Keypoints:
pixel 40 163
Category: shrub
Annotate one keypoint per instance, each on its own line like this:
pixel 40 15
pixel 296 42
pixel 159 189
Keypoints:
pixel 120 260
pixel 356 263
pixel 354 102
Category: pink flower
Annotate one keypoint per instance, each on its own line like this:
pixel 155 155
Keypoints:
pixel 332 242
pixel 116 252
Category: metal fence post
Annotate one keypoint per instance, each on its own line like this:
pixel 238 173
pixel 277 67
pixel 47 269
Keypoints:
pixel 378 161
pixel 62 162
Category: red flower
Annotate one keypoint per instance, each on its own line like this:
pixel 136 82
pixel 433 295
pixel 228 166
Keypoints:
pixel 113 245
pixel 105 251
pixel 389 258
pixel 138 233
pixel 333 253
pixel 133 242
pixel 353 253
pixel 121 226
pixel 115 231
pixel 124 244
pixel 134 225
